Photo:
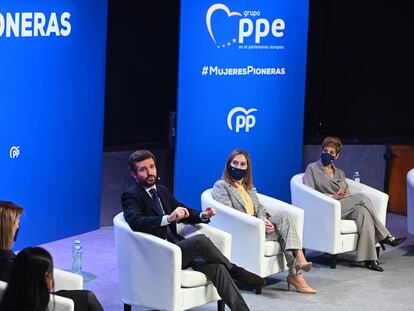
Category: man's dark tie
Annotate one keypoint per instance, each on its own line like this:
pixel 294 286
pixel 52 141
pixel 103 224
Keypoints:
pixel 172 237
pixel 156 200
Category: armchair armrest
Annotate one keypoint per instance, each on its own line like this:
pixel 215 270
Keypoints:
pixel 272 204
pixel 146 257
pixel 220 238
pixel 67 280
pixel 248 233
pixel 3 286
pixel 56 303
pixel 59 303
pixel 410 201
pixel 322 216
pixel 378 198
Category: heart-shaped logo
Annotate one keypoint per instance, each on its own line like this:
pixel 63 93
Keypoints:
pixel 211 10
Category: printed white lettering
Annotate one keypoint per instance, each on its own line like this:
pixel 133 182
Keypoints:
pixel 244 33
pixel 259 32
pixel 278 24
pixel 261 29
pixel 34 24
pixel 66 27
pixel 12 24
pixel 39 24
pixel 1 25
pixel 26 25
pixel 53 25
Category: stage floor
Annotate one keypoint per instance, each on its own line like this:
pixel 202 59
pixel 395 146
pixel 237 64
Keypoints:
pixel 344 288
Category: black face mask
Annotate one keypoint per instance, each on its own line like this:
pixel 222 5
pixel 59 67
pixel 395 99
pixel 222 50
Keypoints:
pixel 327 158
pixel 236 173
pixel 15 235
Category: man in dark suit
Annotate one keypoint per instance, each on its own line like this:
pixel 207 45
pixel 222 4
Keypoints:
pixel 152 209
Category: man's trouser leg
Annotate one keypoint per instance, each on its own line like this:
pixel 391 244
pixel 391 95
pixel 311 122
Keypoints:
pixel 228 291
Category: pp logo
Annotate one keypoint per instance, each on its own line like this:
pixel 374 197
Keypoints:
pixel 243 119
pixel 260 27
pixel 14 152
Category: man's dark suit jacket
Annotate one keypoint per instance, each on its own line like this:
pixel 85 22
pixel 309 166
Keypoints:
pixel 142 215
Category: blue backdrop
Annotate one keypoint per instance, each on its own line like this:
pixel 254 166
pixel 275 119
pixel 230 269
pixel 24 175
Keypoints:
pixel 241 85
pixel 52 60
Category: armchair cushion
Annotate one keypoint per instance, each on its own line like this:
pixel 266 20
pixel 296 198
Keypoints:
pixel 348 226
pixel 67 280
pixel 191 278
pixel 272 248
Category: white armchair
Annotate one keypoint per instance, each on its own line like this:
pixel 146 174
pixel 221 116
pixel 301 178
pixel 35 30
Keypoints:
pixel 410 201
pixel 249 246
pixel 324 230
pixel 150 273
pixel 67 280
pixel 63 280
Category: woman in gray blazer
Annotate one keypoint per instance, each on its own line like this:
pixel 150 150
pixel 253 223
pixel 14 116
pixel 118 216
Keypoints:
pixel 235 190
pixel 325 177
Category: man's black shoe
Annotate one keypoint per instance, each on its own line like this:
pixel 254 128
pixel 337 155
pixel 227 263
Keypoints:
pixel 246 277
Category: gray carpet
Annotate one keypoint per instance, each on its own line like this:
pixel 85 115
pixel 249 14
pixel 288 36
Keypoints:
pixel 345 288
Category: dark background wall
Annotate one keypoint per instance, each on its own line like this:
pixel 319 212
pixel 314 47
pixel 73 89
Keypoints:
pixel 359 75
pixel 141 75
pixel 141 88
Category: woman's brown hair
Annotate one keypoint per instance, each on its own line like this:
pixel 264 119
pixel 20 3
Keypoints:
pixel 333 142
pixel 248 179
pixel 9 214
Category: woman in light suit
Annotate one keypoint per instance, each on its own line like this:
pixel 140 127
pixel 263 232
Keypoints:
pixel 325 177
pixel 235 189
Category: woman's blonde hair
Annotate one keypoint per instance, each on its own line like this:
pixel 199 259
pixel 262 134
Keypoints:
pixel 248 179
pixel 9 214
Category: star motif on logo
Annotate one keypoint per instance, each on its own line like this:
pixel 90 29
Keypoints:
pixel 210 11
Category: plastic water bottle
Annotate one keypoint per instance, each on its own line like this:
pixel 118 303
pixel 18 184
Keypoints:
pixel 356 177
pixel 77 257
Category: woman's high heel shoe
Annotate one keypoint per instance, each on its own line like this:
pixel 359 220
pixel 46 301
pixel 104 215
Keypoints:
pixel 302 267
pixel 373 265
pixel 393 241
pixel 300 284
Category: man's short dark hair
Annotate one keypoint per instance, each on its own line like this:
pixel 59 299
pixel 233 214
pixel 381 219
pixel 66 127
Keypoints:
pixel 138 156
